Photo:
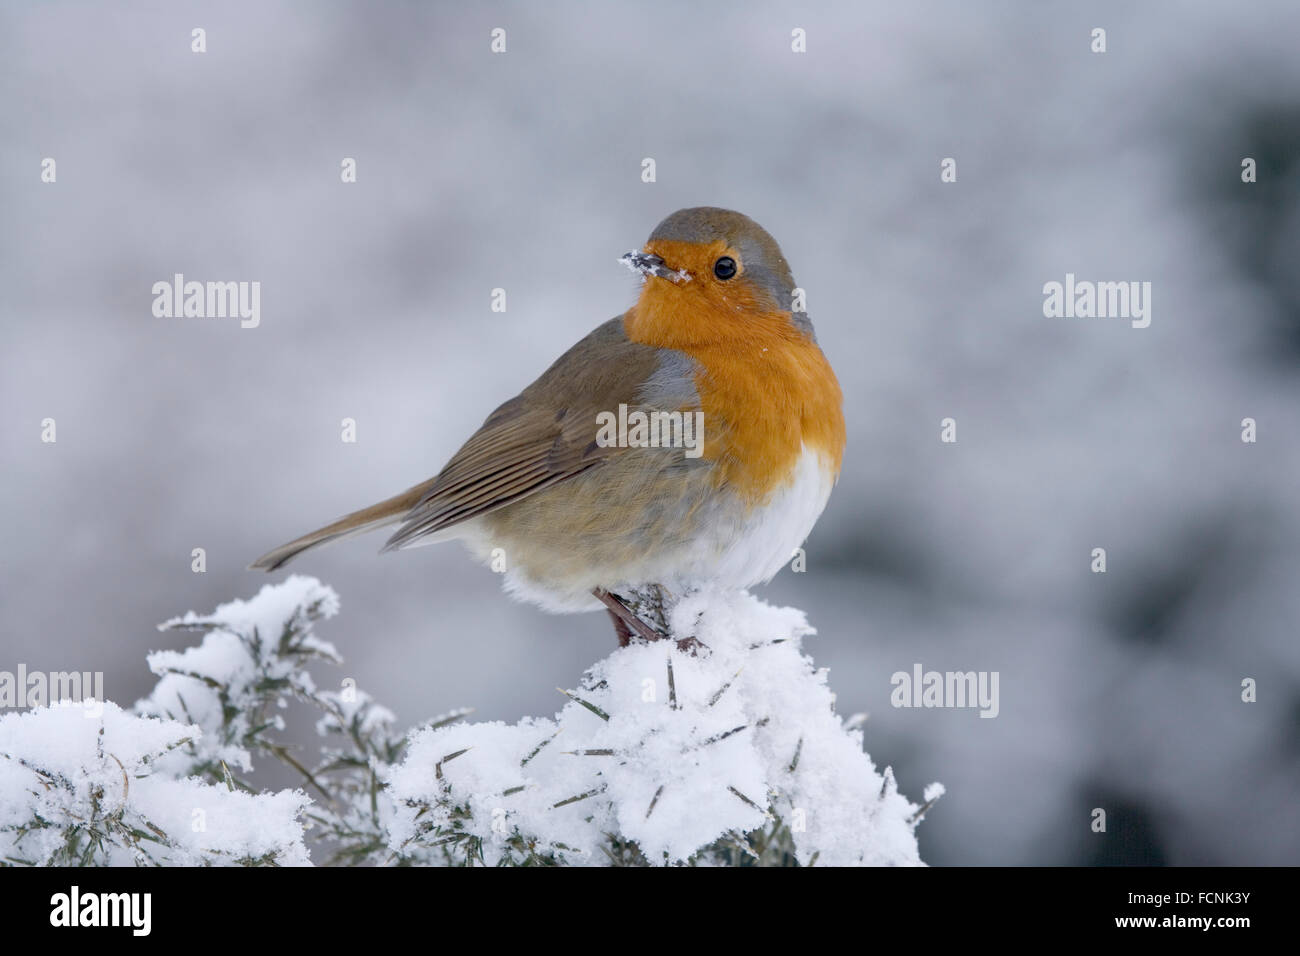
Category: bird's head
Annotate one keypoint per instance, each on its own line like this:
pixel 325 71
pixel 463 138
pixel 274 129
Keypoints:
pixel 711 276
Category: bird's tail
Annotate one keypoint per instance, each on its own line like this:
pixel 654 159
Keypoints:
pixel 367 519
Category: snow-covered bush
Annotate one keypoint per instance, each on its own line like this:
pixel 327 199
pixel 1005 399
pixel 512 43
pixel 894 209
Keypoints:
pixel 728 755
pixel 80 790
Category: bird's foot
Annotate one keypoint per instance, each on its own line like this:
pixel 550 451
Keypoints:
pixel 629 615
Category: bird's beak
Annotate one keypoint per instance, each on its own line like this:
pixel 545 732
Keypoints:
pixel 649 265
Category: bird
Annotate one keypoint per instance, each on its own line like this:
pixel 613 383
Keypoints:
pixel 693 440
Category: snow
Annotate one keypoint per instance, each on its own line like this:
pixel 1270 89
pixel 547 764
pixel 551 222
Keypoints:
pixel 658 755
pixel 247 645
pixel 670 762
pixel 355 708
pixel 272 607
pixel 98 776
pixel 638 263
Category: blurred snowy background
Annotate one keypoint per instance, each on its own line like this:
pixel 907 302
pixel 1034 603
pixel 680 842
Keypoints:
pixel 522 171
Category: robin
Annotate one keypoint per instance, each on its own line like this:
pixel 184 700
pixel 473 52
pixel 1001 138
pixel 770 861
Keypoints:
pixel 693 439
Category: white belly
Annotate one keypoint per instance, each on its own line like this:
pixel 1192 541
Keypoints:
pixel 732 547
pixel 759 544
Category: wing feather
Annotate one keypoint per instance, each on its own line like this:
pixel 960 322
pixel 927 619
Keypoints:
pixel 543 436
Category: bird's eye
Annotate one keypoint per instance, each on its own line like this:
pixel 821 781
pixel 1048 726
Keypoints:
pixel 725 268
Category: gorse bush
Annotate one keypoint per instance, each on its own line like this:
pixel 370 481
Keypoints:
pixel 731 755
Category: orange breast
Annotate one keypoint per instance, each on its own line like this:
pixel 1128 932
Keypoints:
pixel 765 388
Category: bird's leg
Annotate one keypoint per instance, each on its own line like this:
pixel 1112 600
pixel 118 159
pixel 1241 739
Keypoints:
pixel 624 614
pixel 624 635
pixel 628 621
pixel 654 600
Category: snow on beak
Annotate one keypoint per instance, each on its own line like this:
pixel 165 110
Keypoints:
pixel 649 265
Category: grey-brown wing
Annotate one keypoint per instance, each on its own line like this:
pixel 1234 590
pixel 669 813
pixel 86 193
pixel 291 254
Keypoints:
pixel 545 435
